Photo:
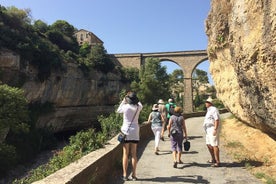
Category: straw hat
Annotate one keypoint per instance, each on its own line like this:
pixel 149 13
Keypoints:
pixel 155 107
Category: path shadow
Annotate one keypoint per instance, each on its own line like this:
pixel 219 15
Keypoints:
pixel 194 137
pixel 164 152
pixel 189 152
pixel 184 179
pixel 243 163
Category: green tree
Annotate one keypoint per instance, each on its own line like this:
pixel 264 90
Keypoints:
pixel 99 59
pixel 85 49
pixel 13 120
pixel 154 82
pixel 13 109
pixel 40 26
pixel 130 74
pixel 176 76
pixel 201 76
pixel 63 27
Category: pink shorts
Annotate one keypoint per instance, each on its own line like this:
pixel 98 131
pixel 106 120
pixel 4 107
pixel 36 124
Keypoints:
pixel 210 138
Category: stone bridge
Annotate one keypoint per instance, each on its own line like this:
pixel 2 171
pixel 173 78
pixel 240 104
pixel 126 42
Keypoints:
pixel 187 60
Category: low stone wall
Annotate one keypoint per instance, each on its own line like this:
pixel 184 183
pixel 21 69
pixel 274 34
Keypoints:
pixel 94 167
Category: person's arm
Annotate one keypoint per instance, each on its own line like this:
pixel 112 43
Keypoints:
pixel 120 108
pixel 149 119
pixel 216 123
pixel 216 126
pixel 169 127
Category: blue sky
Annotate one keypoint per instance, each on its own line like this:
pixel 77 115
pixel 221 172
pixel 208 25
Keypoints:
pixel 130 26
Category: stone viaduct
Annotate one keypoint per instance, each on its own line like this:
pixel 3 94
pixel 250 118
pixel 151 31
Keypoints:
pixel 187 60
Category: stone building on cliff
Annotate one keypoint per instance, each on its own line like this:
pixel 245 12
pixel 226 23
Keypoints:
pixel 84 36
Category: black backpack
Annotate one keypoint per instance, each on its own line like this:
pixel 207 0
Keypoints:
pixel 171 109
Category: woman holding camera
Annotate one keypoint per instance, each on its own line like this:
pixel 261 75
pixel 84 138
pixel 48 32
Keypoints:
pixel 130 107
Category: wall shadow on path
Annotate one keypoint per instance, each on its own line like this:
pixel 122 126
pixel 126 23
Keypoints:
pixel 184 179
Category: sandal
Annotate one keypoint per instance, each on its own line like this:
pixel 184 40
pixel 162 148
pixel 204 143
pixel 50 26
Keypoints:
pixel 215 165
pixel 211 161
pixel 134 178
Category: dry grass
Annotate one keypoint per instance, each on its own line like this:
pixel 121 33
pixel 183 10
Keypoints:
pixel 252 147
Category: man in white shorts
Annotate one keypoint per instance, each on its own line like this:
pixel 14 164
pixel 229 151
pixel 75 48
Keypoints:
pixel 211 127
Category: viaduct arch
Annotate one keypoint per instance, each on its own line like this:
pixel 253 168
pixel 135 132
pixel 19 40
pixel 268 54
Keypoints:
pixel 187 60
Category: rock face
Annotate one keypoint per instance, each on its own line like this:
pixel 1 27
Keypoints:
pixel 242 55
pixel 77 99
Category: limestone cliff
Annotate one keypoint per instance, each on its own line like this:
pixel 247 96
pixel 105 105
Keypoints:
pixel 242 55
pixel 77 99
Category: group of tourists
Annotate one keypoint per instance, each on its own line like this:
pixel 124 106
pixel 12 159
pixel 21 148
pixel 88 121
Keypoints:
pixel 164 117
pixel 168 117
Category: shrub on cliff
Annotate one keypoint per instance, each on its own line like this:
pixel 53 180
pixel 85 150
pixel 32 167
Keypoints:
pixel 13 121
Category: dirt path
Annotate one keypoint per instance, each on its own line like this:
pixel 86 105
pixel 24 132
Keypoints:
pixel 154 169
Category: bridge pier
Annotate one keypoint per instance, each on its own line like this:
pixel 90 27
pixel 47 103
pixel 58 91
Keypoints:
pixel 188 96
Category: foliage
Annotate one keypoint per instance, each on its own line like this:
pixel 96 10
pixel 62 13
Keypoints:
pixel 110 125
pixel 84 49
pixel 20 141
pixel 80 144
pixel 13 120
pixel 99 59
pixel 130 74
pixel 13 109
pixel 176 76
pixel 201 76
pixel 144 114
pixel 154 82
pixel 7 157
pixel 41 26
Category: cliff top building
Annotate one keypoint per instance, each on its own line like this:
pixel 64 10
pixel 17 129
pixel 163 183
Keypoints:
pixel 84 36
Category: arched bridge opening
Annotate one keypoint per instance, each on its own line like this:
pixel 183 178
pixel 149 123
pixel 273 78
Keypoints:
pixel 187 60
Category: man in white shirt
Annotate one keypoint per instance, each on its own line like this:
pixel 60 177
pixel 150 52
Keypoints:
pixel 211 127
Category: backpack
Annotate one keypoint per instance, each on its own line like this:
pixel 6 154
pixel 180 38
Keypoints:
pixel 171 109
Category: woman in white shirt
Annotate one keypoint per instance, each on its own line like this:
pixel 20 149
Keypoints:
pixel 130 107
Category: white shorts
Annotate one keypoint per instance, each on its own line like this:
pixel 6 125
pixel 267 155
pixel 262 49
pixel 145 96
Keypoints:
pixel 210 138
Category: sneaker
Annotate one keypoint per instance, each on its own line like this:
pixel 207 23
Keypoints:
pixel 162 138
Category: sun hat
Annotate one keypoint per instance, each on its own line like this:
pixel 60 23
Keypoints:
pixel 155 107
pixel 160 101
pixel 209 100
pixel 132 98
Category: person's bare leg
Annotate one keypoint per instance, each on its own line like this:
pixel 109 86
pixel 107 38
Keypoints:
pixel 216 154
pixel 211 150
pixel 125 158
pixel 179 156
pixel 133 158
pixel 174 154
